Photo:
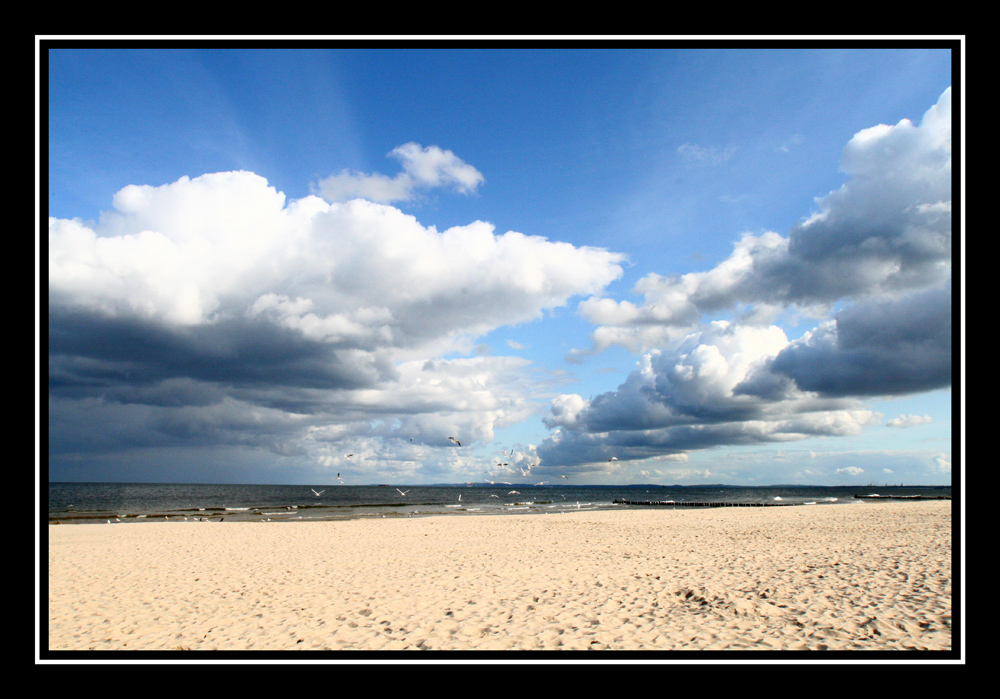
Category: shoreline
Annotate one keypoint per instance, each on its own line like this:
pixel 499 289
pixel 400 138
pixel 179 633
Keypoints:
pixel 870 577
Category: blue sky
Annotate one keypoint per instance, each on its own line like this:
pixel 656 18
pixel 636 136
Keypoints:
pixel 718 264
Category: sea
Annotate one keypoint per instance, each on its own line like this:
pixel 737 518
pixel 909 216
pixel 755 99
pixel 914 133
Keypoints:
pixel 102 503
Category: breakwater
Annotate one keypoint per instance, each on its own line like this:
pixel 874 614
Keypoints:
pixel 903 497
pixel 673 503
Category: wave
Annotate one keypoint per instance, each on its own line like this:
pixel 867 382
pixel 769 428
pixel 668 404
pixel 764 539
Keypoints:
pixel 202 509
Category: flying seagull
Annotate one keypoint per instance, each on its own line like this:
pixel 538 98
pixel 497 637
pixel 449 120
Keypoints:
pixel 564 476
pixel 613 458
pixel 348 456
pixel 402 492
pixel 319 493
pixel 455 441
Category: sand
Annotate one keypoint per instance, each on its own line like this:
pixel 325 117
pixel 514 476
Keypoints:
pixel 854 576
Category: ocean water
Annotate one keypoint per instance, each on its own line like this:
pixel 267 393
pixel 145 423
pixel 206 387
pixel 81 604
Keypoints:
pixel 89 503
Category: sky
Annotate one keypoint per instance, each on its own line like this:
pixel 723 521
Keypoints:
pixel 619 262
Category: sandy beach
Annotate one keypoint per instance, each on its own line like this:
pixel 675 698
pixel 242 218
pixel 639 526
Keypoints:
pixel 864 576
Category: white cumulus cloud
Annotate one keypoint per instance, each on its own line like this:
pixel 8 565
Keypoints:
pixel 909 420
pixel 873 263
pixel 692 396
pixel 213 306
pixel 423 168
pixel 886 232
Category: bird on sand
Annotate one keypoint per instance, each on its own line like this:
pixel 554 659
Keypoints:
pixel 319 493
